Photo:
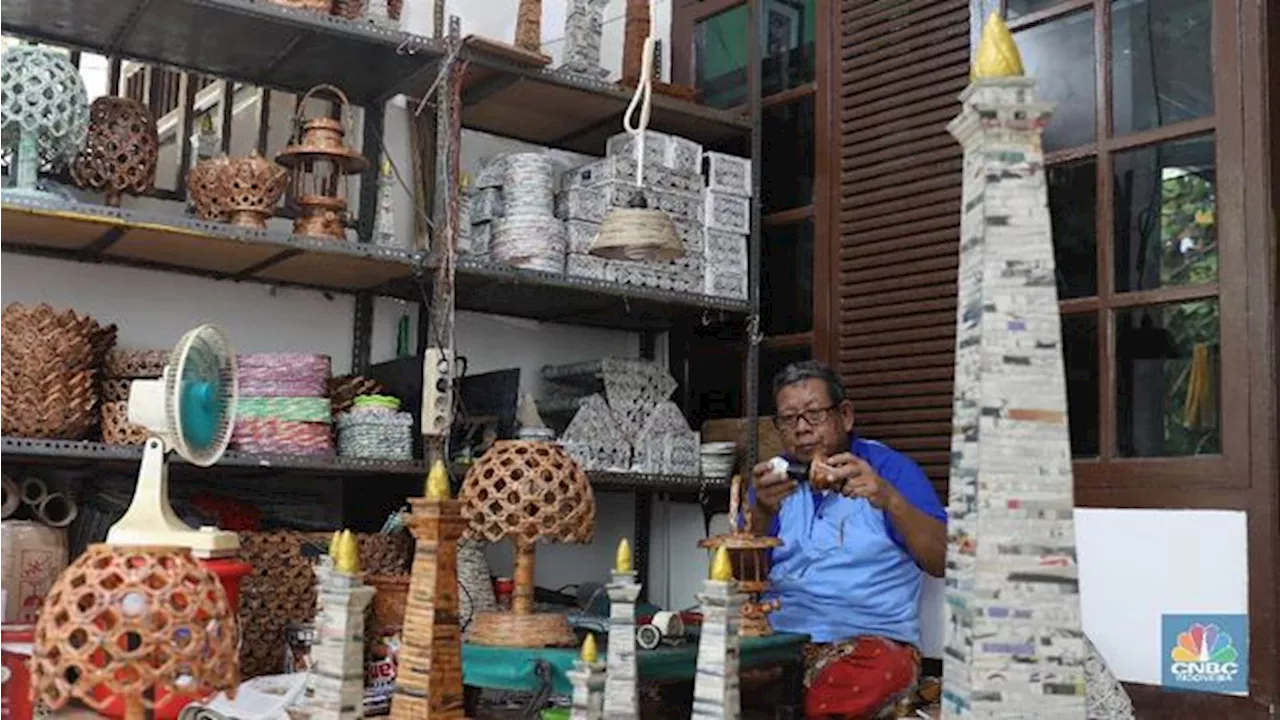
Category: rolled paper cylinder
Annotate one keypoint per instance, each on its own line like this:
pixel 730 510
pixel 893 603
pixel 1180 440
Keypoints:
pixel 34 491
pixel 57 510
pixel 12 496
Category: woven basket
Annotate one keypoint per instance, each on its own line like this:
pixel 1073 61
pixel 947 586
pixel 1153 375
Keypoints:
pixel 128 364
pixel 281 588
pixel 354 9
pixel 116 428
pixel 344 390
pixel 320 6
pixel 49 378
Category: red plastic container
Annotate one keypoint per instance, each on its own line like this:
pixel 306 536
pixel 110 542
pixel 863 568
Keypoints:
pixel 16 643
pixel 230 571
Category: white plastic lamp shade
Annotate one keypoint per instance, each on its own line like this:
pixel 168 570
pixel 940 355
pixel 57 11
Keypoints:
pixel 45 111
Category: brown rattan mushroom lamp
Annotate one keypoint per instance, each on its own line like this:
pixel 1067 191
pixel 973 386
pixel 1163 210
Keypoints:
pixel 319 163
pixel 141 623
pixel 527 491
pixel 749 554
pixel 120 151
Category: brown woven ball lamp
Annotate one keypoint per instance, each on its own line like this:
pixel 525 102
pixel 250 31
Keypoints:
pixel 137 623
pixel 120 150
pixel 529 492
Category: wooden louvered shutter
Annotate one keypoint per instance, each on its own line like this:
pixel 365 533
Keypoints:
pixel 901 66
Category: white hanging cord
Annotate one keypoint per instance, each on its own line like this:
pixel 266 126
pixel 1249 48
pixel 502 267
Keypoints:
pixel 643 97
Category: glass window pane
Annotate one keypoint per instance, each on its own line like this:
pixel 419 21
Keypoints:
pixel 786 278
pixel 1080 358
pixel 1073 205
pixel 787 157
pixel 720 58
pixel 772 362
pixel 1162 62
pixel 1060 55
pixel 786 42
pixel 1021 8
pixel 1167 380
pixel 1165 207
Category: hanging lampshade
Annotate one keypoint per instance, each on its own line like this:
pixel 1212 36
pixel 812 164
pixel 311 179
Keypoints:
pixel 638 233
pixel 45 111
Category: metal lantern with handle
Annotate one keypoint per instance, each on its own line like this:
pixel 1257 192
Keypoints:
pixel 320 163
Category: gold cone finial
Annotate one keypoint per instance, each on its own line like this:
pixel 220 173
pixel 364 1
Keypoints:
pixel 348 560
pixel 721 568
pixel 997 54
pixel 590 653
pixel 438 482
pixel 622 560
pixel 387 169
pixel 333 545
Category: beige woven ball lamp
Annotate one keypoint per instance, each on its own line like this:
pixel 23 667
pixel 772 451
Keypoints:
pixel 529 492
pixel 139 623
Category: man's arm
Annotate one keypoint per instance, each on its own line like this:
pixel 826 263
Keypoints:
pixel 925 536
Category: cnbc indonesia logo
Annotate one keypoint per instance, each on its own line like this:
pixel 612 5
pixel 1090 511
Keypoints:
pixel 1204 653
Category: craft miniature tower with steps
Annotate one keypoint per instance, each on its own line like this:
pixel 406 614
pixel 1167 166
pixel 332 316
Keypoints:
pixel 621 696
pixel 429 669
pixel 1014 647
pixel 336 689
pixel 587 678
pixel 715 687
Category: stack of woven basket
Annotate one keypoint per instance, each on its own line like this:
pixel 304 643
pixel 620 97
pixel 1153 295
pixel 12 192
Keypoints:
pixel 49 379
pixel 281 589
pixel 284 405
pixel 376 429
pixel 121 369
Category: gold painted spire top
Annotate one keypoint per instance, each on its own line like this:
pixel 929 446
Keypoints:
pixel 438 482
pixel 622 560
pixel 333 545
pixel 590 653
pixel 721 568
pixel 997 54
pixel 348 560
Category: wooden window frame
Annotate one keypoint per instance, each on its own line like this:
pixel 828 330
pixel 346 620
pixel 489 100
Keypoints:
pixel 1229 468
pixel 685 15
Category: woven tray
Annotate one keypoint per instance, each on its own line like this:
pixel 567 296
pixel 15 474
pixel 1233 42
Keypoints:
pixel 123 363
pixel 344 390
pixel 296 409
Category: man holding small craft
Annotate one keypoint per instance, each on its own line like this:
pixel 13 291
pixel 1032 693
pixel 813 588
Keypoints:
pixel 860 524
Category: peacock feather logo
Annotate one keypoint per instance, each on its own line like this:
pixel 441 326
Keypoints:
pixel 1204 643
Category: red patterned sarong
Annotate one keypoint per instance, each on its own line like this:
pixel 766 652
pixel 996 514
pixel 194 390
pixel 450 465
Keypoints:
pixel 859 679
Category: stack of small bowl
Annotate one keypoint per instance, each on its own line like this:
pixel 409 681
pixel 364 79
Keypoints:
pixel 375 428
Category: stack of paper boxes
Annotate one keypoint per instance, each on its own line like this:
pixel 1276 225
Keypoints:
pixel 718 213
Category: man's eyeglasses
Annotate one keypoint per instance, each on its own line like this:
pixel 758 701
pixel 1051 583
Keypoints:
pixel 813 417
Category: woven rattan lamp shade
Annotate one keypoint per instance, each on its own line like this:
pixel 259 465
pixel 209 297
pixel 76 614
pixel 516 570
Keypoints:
pixel 638 234
pixel 527 491
pixel 137 623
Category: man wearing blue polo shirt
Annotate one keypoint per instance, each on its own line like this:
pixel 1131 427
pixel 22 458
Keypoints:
pixel 850 570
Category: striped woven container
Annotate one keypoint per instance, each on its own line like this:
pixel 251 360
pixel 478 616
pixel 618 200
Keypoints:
pixel 296 409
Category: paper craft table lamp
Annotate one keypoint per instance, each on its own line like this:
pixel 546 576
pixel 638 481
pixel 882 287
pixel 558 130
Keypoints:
pixel 527 491
pixel 45 111
pixel 134 622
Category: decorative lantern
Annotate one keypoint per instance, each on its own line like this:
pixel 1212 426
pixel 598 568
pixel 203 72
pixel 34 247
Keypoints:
pixel 134 622
pixel 528 491
pixel 119 153
pixel 320 162
pixel 243 190
pixel 749 553
pixel 45 111
pixel 204 188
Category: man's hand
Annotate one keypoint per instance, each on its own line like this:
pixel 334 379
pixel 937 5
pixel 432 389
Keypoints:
pixel 854 477
pixel 771 487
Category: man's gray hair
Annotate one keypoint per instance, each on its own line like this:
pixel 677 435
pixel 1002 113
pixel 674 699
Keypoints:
pixel 810 370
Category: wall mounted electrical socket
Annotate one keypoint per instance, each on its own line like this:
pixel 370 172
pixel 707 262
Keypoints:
pixel 437 392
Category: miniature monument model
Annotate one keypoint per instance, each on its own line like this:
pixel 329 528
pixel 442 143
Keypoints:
pixel 715 687
pixel 336 689
pixel 1014 646
pixel 429 672
pixel 587 678
pixel 750 552
pixel 583 28
pixel 621 699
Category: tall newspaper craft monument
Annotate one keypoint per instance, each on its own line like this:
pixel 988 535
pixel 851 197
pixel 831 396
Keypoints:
pixel 1014 647
pixel 716 693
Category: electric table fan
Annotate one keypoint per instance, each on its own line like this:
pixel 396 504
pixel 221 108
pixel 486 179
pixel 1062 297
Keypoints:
pixel 191 410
